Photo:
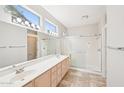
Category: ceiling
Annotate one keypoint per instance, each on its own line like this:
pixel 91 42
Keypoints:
pixel 71 15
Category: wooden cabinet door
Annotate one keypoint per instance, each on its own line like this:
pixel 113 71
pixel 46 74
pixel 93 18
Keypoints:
pixel 56 72
pixel 53 83
pixel 54 76
pixel 59 73
pixel 43 80
pixel 65 66
pixel 30 84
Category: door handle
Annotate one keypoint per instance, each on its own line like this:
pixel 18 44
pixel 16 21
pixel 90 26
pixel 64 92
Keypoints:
pixel 121 48
pixel 116 48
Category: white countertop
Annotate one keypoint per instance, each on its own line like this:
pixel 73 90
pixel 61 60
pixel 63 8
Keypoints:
pixel 31 71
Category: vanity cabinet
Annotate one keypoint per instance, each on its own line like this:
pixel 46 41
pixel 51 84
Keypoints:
pixel 43 80
pixel 52 77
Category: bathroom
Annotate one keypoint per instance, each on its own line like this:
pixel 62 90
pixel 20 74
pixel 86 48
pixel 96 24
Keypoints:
pixel 43 47
pixel 23 43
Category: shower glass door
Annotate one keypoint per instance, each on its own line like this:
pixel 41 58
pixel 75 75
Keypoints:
pixel 83 52
pixel 77 51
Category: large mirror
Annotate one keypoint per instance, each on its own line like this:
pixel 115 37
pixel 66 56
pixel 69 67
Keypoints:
pixel 19 44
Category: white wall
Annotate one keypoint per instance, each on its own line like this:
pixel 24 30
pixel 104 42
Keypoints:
pixel 79 31
pixel 83 30
pixel 115 38
pixel 12 36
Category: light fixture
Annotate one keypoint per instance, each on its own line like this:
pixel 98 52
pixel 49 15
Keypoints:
pixel 14 20
pixel 37 27
pixel 32 25
pixel 19 20
pixel 27 23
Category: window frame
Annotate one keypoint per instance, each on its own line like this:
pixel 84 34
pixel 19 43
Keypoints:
pixel 57 31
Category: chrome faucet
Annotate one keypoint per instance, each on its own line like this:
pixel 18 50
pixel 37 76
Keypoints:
pixel 18 69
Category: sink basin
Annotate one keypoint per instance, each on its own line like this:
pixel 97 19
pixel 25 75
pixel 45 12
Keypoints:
pixel 21 76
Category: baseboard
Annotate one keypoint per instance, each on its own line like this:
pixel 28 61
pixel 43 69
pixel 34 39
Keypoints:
pixel 85 70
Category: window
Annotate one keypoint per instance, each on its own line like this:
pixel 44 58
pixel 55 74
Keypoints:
pixel 28 15
pixel 51 28
pixel 24 16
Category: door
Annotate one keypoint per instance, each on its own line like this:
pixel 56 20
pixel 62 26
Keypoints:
pixel 76 47
pixel 94 54
pixel 115 46
pixel 43 80
pixel 31 47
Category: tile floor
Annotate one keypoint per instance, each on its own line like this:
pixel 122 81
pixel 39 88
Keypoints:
pixel 76 78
